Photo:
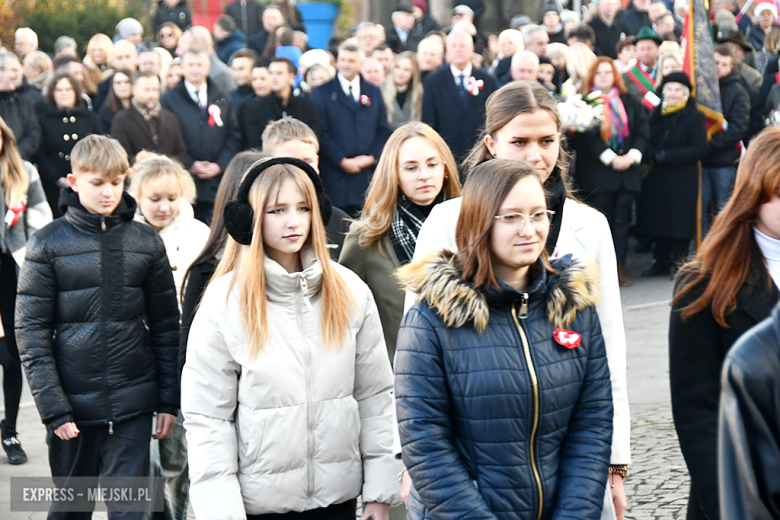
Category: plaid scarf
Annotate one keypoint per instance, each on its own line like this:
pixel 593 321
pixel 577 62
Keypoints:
pixel 147 112
pixel 406 224
pixel 614 126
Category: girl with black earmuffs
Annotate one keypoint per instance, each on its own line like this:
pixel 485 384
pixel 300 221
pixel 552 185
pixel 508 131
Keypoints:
pixel 287 387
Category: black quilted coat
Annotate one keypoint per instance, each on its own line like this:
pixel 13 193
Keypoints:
pixel 97 321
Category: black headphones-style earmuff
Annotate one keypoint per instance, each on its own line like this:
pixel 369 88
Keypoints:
pixel 239 217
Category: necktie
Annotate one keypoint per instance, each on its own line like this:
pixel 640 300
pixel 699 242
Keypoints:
pixel 201 101
pixel 462 85
pixel 352 94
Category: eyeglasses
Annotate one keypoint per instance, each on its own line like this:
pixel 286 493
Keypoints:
pixel 413 171
pixel 537 220
pixel 166 35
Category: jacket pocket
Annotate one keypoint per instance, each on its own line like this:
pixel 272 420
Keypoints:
pixel 250 426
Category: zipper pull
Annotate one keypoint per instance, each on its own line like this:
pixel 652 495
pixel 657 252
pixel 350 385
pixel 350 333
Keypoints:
pixel 103 223
pixel 304 290
pixel 524 306
pixel 110 427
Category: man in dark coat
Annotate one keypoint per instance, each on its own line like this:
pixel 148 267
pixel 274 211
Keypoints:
pixel 248 15
pixel 16 111
pixel 258 112
pixel 227 38
pixel 272 20
pixel 640 78
pixel 354 130
pixel 207 120
pixel 609 30
pixel 455 96
pixel 243 62
pixel 719 166
pixel 145 125
pixel 403 34
pixel 635 16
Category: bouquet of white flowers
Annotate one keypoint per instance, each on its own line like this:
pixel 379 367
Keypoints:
pixel 580 114
pixel 773 119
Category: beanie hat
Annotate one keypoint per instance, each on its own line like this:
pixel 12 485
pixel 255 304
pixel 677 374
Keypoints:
pixel 129 27
pixel 422 4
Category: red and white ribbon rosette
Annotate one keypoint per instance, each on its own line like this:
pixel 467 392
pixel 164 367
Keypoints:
pixel 15 212
pixel 475 85
pixel 365 100
pixel 215 116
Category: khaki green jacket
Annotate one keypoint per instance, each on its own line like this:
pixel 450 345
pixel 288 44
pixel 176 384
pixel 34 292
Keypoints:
pixel 376 266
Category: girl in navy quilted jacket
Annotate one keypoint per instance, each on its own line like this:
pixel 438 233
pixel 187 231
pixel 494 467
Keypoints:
pixel 503 391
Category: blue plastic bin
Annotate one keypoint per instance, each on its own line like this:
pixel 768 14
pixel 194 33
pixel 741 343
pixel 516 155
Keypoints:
pixel 319 19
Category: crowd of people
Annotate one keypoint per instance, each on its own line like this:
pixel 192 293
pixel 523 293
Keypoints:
pixel 385 277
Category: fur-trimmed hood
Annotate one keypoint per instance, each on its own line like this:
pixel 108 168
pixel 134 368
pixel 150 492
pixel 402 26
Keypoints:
pixel 437 280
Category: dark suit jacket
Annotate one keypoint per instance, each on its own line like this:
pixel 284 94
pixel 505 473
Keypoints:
pixel 205 142
pixel 135 134
pixel 258 112
pixel 608 36
pixel 697 349
pixel 444 111
pixel 349 129
pixel 395 43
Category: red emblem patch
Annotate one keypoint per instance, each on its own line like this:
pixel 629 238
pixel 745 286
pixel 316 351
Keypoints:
pixel 567 338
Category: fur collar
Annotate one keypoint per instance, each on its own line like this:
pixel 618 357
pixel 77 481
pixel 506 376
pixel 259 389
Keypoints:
pixel 437 281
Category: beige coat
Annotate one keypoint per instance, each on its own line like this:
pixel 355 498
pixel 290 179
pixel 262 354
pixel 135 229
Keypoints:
pixel 298 427
pixel 376 266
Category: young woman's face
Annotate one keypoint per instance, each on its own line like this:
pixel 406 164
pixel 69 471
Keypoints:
pixel 175 73
pixel 286 223
pixel 604 79
pixel 319 77
pixel 122 86
pixel 532 137
pixel 402 74
pixel 627 54
pixel 168 38
pixel 98 55
pixel 768 219
pixel 508 47
pixel 64 94
pixel 160 201
pixel 670 65
pixel 546 72
pixel 518 244
pixel 420 170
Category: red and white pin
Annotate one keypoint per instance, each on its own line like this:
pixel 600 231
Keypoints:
pixel 215 116
pixel 567 338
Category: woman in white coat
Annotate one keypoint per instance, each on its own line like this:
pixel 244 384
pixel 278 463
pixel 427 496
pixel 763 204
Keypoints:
pixel 522 123
pixel 287 388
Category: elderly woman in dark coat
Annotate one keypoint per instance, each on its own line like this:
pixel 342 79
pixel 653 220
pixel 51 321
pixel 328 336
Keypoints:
pixel 608 156
pixel 64 119
pixel 667 208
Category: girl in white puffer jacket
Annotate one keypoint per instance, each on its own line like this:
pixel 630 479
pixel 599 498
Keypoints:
pixel 165 192
pixel 287 388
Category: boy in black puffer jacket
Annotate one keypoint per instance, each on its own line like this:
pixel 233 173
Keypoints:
pixel 97 324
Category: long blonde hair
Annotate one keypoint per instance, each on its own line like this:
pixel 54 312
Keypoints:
pixel 390 91
pixel 14 176
pixel 383 191
pixel 247 263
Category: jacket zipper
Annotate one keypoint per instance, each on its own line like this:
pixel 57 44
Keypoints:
pixel 535 385
pixel 309 398
pixel 106 295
